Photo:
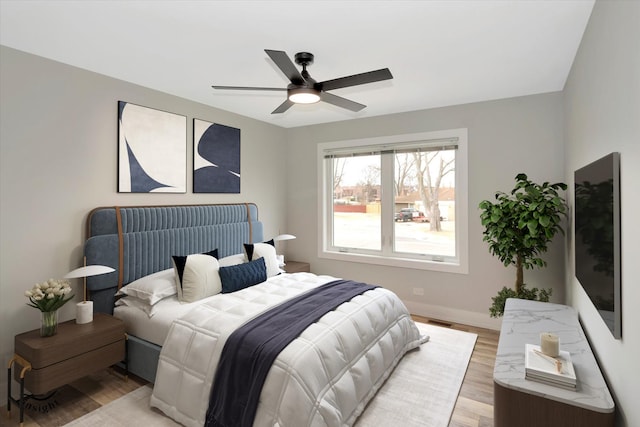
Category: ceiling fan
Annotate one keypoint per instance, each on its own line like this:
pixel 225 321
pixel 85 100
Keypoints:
pixel 303 89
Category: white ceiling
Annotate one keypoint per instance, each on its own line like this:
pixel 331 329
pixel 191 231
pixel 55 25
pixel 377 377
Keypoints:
pixel 439 52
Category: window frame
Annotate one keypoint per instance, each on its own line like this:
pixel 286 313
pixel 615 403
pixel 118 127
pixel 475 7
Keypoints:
pixel 460 263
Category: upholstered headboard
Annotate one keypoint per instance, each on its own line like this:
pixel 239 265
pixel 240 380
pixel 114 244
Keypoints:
pixel 139 240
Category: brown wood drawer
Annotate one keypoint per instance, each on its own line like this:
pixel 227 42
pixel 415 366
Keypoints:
pixel 515 408
pixel 40 381
pixel 71 340
pixel 75 351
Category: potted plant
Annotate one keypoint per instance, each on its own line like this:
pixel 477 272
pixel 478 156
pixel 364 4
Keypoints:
pixel 518 227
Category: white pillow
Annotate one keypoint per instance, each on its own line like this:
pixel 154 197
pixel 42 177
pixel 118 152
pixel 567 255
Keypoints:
pixel 149 309
pixel 196 276
pixel 268 252
pixel 230 260
pixel 151 288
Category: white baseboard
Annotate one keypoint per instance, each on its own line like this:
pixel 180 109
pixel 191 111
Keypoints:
pixel 471 318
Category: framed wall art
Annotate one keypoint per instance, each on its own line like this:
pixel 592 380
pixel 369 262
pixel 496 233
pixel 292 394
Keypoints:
pixel 152 150
pixel 216 158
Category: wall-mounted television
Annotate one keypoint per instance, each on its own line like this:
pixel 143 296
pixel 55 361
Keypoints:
pixel 597 237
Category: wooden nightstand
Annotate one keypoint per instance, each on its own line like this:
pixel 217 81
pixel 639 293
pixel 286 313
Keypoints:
pixel 74 352
pixel 296 267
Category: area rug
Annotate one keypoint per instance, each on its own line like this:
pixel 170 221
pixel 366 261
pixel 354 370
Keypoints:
pixel 422 390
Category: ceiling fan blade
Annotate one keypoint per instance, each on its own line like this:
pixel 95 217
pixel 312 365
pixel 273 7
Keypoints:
pixel 283 107
pixel 341 102
pixel 249 88
pixel 285 64
pixel 357 79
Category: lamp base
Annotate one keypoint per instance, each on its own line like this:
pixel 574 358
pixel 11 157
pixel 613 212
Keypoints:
pixel 84 312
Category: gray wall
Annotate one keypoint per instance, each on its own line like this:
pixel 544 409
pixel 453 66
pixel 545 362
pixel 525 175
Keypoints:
pixel 58 160
pixel 505 138
pixel 602 114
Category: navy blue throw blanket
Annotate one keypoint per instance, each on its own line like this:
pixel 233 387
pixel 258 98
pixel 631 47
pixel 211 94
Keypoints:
pixel 251 350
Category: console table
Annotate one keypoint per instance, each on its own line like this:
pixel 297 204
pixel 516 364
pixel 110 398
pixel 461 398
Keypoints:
pixel 521 402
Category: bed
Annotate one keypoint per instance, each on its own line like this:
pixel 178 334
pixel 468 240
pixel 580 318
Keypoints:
pixel 325 374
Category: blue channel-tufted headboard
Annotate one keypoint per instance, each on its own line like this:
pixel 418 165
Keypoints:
pixel 140 240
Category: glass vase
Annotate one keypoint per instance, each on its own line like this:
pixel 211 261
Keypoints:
pixel 49 323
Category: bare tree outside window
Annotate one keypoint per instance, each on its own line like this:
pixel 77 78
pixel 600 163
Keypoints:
pixel 338 173
pixel 431 168
pixel 404 173
pixel 370 183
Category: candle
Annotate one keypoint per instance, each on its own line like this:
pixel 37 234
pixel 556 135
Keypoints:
pixel 550 344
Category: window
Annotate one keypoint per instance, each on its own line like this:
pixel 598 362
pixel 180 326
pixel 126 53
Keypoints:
pixel 399 200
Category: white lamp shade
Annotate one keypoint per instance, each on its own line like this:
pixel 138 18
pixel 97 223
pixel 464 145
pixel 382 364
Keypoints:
pixel 87 271
pixel 284 237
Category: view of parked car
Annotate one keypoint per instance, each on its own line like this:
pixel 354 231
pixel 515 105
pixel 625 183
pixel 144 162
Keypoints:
pixel 412 214
pixel 408 214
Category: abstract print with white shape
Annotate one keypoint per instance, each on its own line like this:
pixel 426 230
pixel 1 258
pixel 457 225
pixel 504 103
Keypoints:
pixel 216 158
pixel 152 150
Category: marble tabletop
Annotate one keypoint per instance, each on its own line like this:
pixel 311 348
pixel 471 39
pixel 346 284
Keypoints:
pixel 522 323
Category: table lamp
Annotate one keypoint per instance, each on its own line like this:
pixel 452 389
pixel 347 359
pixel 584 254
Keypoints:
pixel 84 309
pixel 277 239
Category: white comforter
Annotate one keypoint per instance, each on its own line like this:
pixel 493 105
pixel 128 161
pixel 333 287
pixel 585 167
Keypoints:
pixel 325 377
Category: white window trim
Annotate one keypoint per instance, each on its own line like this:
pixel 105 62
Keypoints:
pixel 462 211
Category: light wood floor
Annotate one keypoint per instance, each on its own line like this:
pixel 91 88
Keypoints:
pixel 474 407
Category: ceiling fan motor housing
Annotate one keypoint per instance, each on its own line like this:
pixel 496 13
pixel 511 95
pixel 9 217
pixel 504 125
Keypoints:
pixel 304 58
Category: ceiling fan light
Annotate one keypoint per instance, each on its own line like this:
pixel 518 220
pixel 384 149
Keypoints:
pixel 303 95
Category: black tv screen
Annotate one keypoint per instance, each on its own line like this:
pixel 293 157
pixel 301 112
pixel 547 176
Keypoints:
pixel 597 237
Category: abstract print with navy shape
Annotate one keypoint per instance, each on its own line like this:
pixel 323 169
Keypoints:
pixel 216 158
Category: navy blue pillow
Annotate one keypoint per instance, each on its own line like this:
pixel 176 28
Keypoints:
pixel 242 276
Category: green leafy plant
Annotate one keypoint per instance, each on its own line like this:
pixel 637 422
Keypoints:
pixel 497 308
pixel 518 227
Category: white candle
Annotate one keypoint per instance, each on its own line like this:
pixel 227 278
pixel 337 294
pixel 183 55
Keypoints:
pixel 550 344
pixel 84 312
